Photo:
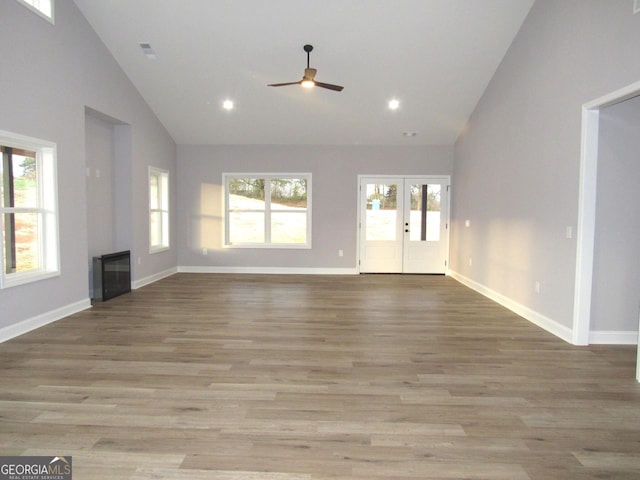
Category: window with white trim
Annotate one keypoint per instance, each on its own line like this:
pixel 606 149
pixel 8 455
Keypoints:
pixel 44 8
pixel 267 210
pixel 158 210
pixel 28 207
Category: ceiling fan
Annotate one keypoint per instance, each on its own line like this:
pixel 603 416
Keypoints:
pixel 308 80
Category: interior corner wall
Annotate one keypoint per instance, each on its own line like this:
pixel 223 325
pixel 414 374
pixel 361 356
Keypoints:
pixel 517 163
pixel 334 172
pixel 52 73
pixel 615 299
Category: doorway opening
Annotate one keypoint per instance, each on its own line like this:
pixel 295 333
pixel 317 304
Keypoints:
pixel 587 211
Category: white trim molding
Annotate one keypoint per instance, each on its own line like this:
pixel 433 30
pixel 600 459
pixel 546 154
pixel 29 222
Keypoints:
pixel 271 270
pixel 613 338
pixel 534 317
pixel 153 278
pixel 25 326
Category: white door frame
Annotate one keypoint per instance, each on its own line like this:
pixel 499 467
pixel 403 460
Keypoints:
pixel 587 210
pixel 402 177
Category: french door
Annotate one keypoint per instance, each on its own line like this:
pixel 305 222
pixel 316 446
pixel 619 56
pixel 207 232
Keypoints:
pixel 404 224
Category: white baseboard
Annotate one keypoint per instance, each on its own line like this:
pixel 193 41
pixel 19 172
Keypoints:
pixel 534 317
pixel 271 270
pixel 603 337
pixel 20 328
pixel 595 337
pixel 153 278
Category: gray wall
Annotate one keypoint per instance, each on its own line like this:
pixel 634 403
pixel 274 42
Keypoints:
pixel 334 188
pixel 50 74
pixel 100 185
pixel 616 264
pixel 516 166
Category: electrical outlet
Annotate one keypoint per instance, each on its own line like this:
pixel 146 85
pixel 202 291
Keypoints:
pixel 340 253
pixel 537 286
pixel 470 261
pixel 205 251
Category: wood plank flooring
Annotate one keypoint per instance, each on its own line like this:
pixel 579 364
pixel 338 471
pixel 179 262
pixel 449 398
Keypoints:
pixel 255 377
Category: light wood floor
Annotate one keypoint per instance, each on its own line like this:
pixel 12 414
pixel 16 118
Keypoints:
pixel 225 377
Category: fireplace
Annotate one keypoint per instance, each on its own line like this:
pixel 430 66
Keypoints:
pixel 111 275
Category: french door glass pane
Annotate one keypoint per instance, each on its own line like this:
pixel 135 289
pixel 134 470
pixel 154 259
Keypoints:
pixel 433 212
pixel 418 213
pixel 381 213
pixel 424 218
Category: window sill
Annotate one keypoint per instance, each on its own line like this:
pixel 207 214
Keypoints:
pixel 15 279
pixel 281 246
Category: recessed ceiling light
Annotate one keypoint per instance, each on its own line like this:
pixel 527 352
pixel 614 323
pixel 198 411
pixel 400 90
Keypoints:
pixel 394 104
pixel 227 105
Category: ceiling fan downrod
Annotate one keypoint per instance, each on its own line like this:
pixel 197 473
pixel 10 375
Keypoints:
pixel 308 48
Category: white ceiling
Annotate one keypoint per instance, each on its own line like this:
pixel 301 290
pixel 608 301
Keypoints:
pixel 435 56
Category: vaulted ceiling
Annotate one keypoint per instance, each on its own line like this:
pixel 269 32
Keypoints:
pixel 435 57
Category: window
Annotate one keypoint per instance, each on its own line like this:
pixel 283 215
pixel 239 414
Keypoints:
pixel 268 210
pixel 44 8
pixel 29 209
pixel 158 210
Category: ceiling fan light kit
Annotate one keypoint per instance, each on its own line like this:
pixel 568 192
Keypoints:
pixel 308 79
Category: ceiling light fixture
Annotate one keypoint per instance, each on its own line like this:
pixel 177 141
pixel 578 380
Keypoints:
pixel 227 105
pixel 394 104
pixel 308 80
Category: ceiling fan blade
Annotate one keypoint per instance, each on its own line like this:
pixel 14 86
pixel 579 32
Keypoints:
pixel 337 88
pixel 284 84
